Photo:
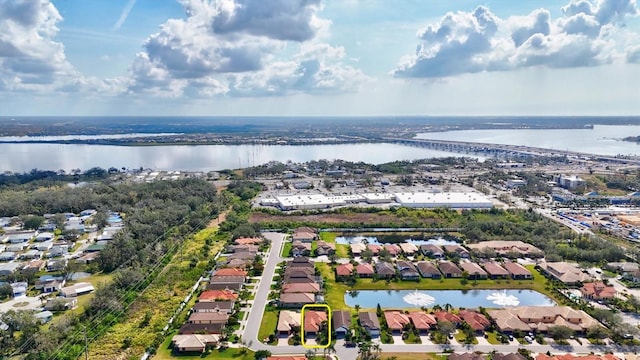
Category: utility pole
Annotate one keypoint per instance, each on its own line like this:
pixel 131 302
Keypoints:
pixel 86 344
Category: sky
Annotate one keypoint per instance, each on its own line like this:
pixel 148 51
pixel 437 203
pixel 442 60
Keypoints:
pixel 319 58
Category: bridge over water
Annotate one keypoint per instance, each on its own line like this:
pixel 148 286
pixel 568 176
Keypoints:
pixel 506 151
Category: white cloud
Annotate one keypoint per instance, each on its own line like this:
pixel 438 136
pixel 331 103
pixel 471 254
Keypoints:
pixel 237 48
pixel 472 42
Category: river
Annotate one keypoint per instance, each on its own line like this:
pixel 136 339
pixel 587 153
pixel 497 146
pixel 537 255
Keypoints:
pixel 601 140
pixel 24 157
pixel 20 157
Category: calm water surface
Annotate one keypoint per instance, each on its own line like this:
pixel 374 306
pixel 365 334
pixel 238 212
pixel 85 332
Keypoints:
pixel 346 240
pixel 24 157
pixel 602 139
pixel 456 298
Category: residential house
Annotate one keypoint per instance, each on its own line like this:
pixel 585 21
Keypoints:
pixel 365 270
pixel 60 304
pixel 428 270
pixel 325 248
pixel 449 269
pixel 288 322
pixel 504 248
pixel 408 249
pixel 542 356
pixel 341 321
pixel 304 234
pixel 214 306
pixel 34 266
pixel 44 316
pixel 32 254
pixel 19 289
pixel 52 286
pixel 375 248
pixel 432 251
pixel 422 321
pixel 43 246
pixel 474 270
pixel 8 256
pixel 18 237
pixel 396 320
pixel 247 241
pixel 509 356
pixel 478 322
pixel 215 295
pixel 299 262
pixel 495 271
pixel 541 318
pixel 393 249
pixel 369 321
pixel 442 316
pixel 44 236
pixel 244 248
pixel 313 321
pixel 357 248
pixel 247 256
pixel 385 270
pixel 9 268
pixel 344 270
pixel 87 258
pixel 597 291
pixel 194 342
pixel 17 247
pixel 407 270
pixel 230 272
pixel 313 288
pixel 517 271
pixel 217 320
pixel 466 356
pixel 190 328
pixel 456 250
pixel 76 290
pixel 296 300
pixel 567 273
pixel 60 250
pixel 226 282
pixel 48 279
pixel 298 248
pixel 239 263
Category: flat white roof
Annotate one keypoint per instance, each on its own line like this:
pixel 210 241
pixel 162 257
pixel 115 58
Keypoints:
pixel 447 198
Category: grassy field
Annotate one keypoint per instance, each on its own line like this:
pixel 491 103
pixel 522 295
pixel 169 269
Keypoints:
pixel 268 324
pixel 164 353
pixel 492 339
pixel 335 291
pixel 161 299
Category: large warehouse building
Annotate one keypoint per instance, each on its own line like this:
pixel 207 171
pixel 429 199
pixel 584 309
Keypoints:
pixel 456 200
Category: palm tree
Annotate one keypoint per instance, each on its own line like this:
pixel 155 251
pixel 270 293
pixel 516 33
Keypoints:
pixel 448 307
pixel 436 307
pixel 357 308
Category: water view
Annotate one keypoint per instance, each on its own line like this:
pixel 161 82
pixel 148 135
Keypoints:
pixel 346 240
pixel 455 298
pixel 24 157
pixel 602 139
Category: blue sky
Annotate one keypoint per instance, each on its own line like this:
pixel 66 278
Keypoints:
pixel 314 57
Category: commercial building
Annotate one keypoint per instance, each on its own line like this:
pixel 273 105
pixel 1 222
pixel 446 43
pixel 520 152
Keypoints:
pixel 456 200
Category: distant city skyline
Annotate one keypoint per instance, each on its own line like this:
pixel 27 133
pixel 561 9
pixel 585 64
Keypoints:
pixel 319 58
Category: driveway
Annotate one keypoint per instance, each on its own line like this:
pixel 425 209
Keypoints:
pixel 22 303
pixel 397 339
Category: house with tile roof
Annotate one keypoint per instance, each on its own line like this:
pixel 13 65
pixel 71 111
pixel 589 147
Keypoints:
pixel 325 248
pixel 478 322
pixel 567 273
pixel 597 291
pixel 313 321
pixel 365 270
pixel 432 251
pixel 474 270
pixel 341 322
pixel 408 249
pixel 312 288
pixel 385 270
pixel 344 270
pixel 495 271
pixel 517 271
pixel 449 269
pixel 427 269
pixel 396 320
pixel 288 322
pixel 422 321
pixel 369 321
pixel 541 318
pixel 214 295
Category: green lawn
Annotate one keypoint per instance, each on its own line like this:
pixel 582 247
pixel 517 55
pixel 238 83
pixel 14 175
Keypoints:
pixel 268 324
pixel 492 339
pixel 335 291
pixel 341 250
pixel 286 249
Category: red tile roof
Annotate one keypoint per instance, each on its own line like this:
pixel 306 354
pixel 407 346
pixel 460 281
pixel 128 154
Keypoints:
pixel 365 269
pixel 344 269
pixel 313 320
pixel 301 288
pixel 247 241
pixel 396 319
pixel 230 272
pixel 210 295
pixel 598 290
pixel 516 269
pixel 447 316
pixel 422 321
pixel 476 320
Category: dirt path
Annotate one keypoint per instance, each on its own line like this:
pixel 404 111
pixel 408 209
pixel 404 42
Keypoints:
pixel 217 221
